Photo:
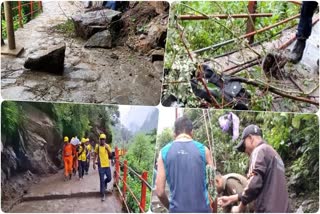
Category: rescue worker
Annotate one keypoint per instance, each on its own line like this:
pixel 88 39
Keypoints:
pixel 75 157
pixel 266 176
pixel 231 184
pixel 82 158
pixel 102 154
pixel 182 163
pixel 89 149
pixel 304 30
pixel 67 155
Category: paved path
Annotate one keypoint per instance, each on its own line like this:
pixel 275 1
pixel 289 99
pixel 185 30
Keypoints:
pixel 53 194
pixel 90 75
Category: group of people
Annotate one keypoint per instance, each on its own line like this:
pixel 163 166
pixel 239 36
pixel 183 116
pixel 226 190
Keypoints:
pixel 183 164
pixel 77 155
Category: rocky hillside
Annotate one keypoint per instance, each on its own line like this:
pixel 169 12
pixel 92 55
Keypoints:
pixel 32 151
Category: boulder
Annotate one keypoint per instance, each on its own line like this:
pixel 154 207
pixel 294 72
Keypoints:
pixel 50 60
pixel 100 40
pixel 157 55
pixel 92 22
pixel 160 6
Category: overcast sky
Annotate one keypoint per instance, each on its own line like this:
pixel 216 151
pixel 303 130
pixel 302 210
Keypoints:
pixel 138 114
pixel 167 117
pixel 134 114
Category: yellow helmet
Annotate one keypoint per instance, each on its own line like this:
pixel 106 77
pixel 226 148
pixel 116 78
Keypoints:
pixel 65 139
pixel 102 136
pixel 83 140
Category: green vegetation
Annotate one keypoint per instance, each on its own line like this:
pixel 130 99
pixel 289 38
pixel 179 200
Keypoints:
pixel 199 34
pixel 294 136
pixel 11 117
pixel 70 119
pixel 66 27
pixel 25 14
pixel 140 157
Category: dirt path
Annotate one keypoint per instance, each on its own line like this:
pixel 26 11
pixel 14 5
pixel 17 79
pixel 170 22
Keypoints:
pixel 90 75
pixel 53 194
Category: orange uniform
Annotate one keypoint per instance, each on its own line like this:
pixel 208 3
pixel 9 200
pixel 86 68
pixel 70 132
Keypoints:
pixel 67 158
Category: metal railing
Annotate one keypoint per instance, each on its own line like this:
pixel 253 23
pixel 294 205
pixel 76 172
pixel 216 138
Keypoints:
pixel 125 187
pixel 31 5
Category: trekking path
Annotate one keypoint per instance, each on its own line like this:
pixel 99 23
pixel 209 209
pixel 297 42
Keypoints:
pixel 53 194
pixel 305 73
pixel 118 75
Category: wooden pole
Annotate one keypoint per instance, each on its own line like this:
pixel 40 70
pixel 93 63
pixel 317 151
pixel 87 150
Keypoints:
pixel 9 23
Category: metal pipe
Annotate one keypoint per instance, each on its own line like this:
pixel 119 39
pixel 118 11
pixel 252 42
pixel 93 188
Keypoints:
pixel 246 35
pixel 252 6
pixel 9 23
pixel 223 16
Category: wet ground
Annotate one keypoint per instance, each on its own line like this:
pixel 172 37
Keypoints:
pixel 90 75
pixel 53 194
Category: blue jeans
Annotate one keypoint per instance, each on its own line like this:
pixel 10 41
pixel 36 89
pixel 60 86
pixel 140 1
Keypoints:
pixel 104 171
pixel 305 23
pixel 110 4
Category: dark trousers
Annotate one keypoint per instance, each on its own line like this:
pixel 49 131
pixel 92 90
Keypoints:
pixel 104 171
pixel 81 168
pixel 87 163
pixel 305 23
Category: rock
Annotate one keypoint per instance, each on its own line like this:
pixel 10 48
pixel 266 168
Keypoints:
pixel 51 60
pixel 157 55
pixel 160 6
pixel 306 202
pixel 158 66
pixel 100 40
pixel 84 74
pixel 114 56
pixel 300 209
pixel 92 22
pixel 121 99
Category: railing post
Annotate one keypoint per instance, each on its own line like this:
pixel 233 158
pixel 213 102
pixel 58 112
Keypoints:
pixel 252 6
pixel 143 198
pixel 125 170
pixel 9 25
pixel 39 6
pixel 116 151
pixel 31 9
pixel 20 14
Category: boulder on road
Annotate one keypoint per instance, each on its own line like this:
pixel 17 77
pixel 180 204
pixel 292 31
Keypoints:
pixel 92 22
pixel 50 60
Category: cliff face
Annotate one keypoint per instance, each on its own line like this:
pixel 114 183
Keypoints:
pixel 33 151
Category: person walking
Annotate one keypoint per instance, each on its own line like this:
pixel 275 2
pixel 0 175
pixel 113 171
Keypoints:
pixel 82 158
pixel 102 154
pixel 182 163
pixel 67 156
